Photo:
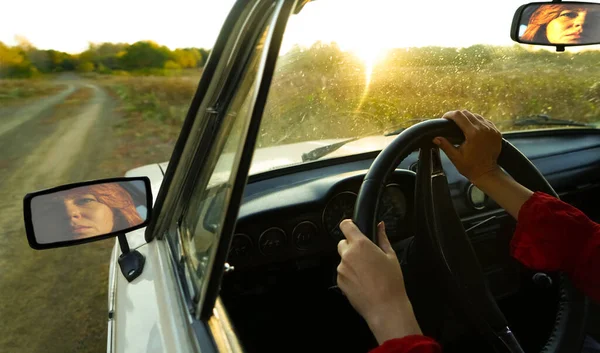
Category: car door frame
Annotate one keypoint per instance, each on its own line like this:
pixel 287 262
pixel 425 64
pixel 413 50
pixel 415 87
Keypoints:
pixel 209 322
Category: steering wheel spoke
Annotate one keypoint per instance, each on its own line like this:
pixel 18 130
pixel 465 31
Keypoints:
pixel 458 268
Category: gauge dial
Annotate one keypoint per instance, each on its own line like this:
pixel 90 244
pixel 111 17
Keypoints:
pixel 392 210
pixel 340 207
pixel 477 198
pixel 241 245
pixel 271 241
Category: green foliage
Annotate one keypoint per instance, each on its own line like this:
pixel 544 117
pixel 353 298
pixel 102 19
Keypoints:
pixel 15 89
pixel 203 57
pixel 145 55
pixel 164 99
pixel 322 92
pixel 14 64
pixel 85 66
pixel 172 65
pixel 186 58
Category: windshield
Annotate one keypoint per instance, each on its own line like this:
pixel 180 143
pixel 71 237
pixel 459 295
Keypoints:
pixel 350 69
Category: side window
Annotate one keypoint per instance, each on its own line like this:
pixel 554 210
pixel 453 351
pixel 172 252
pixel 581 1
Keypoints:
pixel 204 215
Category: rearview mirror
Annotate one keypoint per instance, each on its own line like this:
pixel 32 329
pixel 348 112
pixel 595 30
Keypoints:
pixel 566 23
pixel 83 212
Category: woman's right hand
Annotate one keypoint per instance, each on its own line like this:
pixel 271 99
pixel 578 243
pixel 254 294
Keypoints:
pixel 476 157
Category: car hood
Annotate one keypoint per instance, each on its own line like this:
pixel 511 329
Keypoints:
pixel 270 158
pixel 276 157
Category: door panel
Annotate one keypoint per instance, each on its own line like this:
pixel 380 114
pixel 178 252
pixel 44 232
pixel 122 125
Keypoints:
pixel 149 313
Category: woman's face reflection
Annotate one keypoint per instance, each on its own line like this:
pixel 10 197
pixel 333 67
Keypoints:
pixel 568 27
pixel 87 216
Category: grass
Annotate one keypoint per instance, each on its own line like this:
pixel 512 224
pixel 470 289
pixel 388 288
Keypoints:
pixel 332 98
pixel 309 104
pixel 152 110
pixel 70 106
pixel 16 90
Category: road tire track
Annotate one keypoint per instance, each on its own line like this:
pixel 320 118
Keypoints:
pixel 53 300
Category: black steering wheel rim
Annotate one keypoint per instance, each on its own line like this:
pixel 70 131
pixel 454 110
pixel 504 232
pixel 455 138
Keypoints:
pixel 568 330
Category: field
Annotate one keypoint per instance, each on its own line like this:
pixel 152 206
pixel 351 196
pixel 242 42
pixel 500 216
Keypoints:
pixel 345 98
pixel 17 90
pixel 316 94
pixel 339 96
pixel 152 110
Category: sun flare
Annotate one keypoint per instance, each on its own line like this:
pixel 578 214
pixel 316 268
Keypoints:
pixel 370 56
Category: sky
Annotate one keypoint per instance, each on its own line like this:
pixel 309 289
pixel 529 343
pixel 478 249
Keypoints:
pixel 69 25
pixel 366 26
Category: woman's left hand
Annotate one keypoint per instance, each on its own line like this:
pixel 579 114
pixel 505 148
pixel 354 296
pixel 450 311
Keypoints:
pixel 371 278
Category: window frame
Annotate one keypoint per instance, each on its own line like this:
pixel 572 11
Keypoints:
pixel 217 87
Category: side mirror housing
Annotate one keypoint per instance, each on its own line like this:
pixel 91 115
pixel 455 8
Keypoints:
pixel 84 212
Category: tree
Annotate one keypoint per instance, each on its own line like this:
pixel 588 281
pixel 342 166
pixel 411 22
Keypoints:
pixel 203 56
pixel 172 65
pixel 13 63
pixel 145 55
pixel 85 66
pixel 186 58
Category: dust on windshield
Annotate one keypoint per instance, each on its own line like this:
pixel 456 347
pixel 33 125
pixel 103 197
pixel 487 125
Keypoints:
pixel 383 66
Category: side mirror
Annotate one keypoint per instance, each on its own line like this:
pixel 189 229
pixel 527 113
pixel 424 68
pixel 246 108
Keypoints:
pixel 83 212
pixel 559 24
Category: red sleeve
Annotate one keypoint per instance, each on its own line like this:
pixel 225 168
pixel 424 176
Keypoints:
pixel 409 344
pixel 554 236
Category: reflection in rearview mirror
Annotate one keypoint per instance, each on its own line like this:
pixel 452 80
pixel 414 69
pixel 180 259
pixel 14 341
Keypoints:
pixel 563 23
pixel 83 211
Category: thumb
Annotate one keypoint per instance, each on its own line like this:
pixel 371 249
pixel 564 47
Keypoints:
pixel 382 239
pixel 448 148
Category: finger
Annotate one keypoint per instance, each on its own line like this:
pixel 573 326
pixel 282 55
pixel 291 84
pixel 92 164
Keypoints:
pixel 340 283
pixel 382 239
pixel 344 273
pixel 490 124
pixel 482 120
pixel 472 118
pixel 342 246
pixel 448 148
pixel 350 230
pixel 461 120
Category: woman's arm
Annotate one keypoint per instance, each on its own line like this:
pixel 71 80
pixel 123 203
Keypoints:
pixel 503 189
pixel 371 278
pixel 409 344
pixel 551 235
pixel 477 158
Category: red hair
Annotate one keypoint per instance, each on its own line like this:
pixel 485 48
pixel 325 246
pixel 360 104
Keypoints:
pixel 536 28
pixel 116 198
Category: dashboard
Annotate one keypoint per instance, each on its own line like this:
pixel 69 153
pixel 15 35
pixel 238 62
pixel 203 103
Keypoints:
pixel 292 215
pixel 304 219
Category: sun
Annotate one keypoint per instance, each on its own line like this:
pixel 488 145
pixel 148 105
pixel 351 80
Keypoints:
pixel 371 56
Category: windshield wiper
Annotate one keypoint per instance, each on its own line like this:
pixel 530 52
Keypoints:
pixel 543 119
pixel 319 152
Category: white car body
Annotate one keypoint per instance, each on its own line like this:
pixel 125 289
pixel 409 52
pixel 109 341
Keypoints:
pixel 149 315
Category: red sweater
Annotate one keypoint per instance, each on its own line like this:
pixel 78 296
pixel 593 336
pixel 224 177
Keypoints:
pixel 551 236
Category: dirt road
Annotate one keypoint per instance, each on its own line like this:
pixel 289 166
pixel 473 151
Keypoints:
pixel 52 300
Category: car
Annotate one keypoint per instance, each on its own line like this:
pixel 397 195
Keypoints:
pixel 234 248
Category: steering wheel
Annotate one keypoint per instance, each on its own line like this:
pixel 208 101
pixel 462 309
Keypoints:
pixel 451 256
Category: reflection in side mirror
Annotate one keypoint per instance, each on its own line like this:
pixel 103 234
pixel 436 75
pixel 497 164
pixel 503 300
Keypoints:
pixel 557 23
pixel 84 212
